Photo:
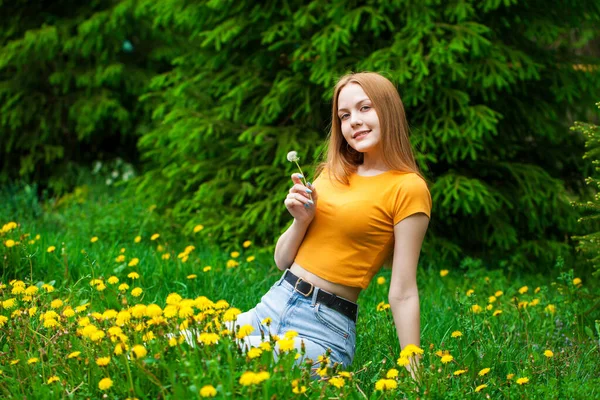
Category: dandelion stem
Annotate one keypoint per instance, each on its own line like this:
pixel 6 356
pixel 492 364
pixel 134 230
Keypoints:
pixel 131 389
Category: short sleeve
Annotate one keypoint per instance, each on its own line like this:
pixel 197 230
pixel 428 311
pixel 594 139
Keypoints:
pixel 412 196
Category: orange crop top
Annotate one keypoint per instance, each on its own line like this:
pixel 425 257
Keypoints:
pixel 352 232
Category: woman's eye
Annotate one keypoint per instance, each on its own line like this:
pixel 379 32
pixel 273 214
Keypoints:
pixel 367 107
pixel 343 116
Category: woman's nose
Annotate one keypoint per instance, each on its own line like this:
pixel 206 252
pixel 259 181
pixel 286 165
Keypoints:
pixel 354 120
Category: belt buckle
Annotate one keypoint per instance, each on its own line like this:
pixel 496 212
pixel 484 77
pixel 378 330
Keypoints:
pixel 304 294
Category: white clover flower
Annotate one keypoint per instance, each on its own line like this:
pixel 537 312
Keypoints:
pixel 292 156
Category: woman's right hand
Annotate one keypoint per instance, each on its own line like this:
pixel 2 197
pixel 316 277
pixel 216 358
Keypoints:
pixel 299 203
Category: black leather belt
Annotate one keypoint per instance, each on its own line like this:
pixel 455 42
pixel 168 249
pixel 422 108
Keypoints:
pixel 346 307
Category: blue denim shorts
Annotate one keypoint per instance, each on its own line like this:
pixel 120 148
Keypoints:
pixel 318 326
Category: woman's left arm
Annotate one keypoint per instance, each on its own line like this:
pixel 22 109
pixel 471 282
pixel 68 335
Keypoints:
pixel 404 293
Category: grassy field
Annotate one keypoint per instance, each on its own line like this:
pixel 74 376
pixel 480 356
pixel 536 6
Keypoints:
pixel 93 282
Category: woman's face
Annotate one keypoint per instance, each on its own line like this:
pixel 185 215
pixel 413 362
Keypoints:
pixel 358 119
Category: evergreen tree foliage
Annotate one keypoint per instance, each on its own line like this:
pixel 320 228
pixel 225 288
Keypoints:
pixel 71 73
pixel 589 244
pixel 489 87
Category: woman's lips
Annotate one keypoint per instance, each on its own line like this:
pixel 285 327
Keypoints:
pixel 362 135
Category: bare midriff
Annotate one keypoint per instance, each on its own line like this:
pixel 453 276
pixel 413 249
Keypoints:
pixel 347 292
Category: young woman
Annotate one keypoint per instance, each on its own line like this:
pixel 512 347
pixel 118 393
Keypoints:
pixel 368 204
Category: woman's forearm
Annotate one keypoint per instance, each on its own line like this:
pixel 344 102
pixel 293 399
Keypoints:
pixel 288 245
pixel 407 318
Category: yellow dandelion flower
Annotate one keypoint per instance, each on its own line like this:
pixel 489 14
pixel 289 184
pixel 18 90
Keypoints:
pixel 160 248
pixel 410 350
pixel 489 307
pixel 480 387
pixel 221 305
pixel 198 228
pixel 68 312
pixel 137 239
pixel 250 258
pixel 492 299
pixel 446 359
pixel 136 292
pixel 534 302
pixel 392 373
pixel 382 306
pixel 134 261
pixel 265 346
pixel 497 312
pixel 103 361
pixel 459 372
pixel 51 249
pixel 74 354
pixel 53 379
pixel 207 268
pixel 33 360
pixel 105 384
pixel 139 351
pixel 9 303
pixel 13 362
pixel 254 352
pixel 576 281
pixel 120 258
pixel 123 287
pixel 523 290
pixel 403 361
pixel 522 381
pixel 498 293
pixel 172 342
pixel 286 344
pixel 483 371
pixel 166 256
pixel 299 390
pixel 48 288
pixel 267 321
pixel 231 314
pixel 290 334
pixel 235 254
pixel 3 320
pixel 383 385
pixel 9 243
pixel 247 378
pixel 133 275
pixel 551 308
pixel 94 239
pixel 470 292
pixel 338 382
pixel 155 236
pixel 51 323
pixel 192 276
pixel 244 331
pixel 113 280
pixel 476 308
pixel 549 353
pixel 381 280
pixel 510 376
pixel 208 338
pixel 232 263
pixel 444 272
pixel 456 334
pixel 208 391
pixel 56 303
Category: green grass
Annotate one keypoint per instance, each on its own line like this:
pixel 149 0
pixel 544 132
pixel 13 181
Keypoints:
pixel 510 343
